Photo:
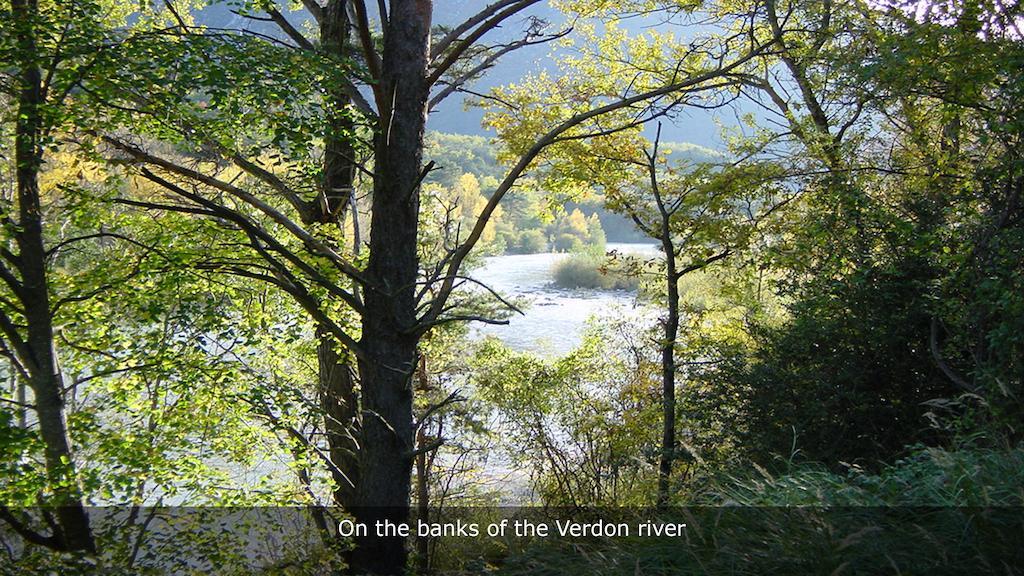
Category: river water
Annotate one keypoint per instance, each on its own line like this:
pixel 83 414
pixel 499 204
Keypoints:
pixel 554 318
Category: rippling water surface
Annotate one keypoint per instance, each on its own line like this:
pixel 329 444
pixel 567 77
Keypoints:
pixel 554 317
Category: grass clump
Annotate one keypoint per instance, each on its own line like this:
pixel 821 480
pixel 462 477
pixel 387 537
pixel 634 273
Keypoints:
pixel 591 271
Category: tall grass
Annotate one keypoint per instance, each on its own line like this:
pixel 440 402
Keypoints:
pixel 928 477
pixel 936 512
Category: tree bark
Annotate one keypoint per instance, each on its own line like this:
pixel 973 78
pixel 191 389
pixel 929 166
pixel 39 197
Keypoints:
pixel 44 377
pixel 668 366
pixel 339 397
pixel 339 150
pixel 423 466
pixel 422 503
pixel 339 400
pixel 389 340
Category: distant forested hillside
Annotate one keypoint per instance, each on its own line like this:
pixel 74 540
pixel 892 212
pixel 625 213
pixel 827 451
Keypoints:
pixel 459 154
pixel 456 154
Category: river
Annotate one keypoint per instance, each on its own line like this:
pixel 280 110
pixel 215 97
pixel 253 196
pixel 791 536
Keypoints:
pixel 554 318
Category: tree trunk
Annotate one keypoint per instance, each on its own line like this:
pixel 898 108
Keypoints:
pixel 19 385
pixel 387 440
pixel 422 504
pixel 423 465
pixel 340 403
pixel 339 398
pixel 44 377
pixel 389 341
pixel 668 369
pixel 339 151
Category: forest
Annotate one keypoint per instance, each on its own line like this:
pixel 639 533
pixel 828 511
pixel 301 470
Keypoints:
pixel 244 306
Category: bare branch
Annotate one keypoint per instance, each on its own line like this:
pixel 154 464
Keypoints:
pixel 493 22
pixel 288 29
pixel 455 84
pixel 441 45
pixel 450 399
pixel 315 9
pixel 373 61
pixel 53 542
pixel 703 263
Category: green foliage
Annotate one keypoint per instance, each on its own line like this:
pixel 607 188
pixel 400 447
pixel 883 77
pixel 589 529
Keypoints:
pixel 584 425
pixel 965 477
pixel 457 154
pixel 813 521
pixel 861 351
pixel 591 270
pixel 528 242
pixel 530 220
pixel 887 336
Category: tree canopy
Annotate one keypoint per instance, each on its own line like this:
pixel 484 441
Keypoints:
pixel 237 270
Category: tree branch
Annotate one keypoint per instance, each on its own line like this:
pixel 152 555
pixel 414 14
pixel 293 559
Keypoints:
pixel 288 29
pixel 544 141
pixel 313 244
pixel 441 45
pixel 315 9
pixel 488 62
pixel 53 542
pixel 493 22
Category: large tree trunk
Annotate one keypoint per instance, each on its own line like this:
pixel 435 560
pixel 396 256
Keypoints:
pixel 40 359
pixel 387 440
pixel 339 151
pixel 389 341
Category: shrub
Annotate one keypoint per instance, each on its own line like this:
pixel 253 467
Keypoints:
pixel 927 477
pixel 585 270
pixel 566 243
pixel 531 242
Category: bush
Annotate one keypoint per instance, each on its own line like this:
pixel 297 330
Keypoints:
pixel 847 378
pixel 566 243
pixel 584 270
pixel 531 242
